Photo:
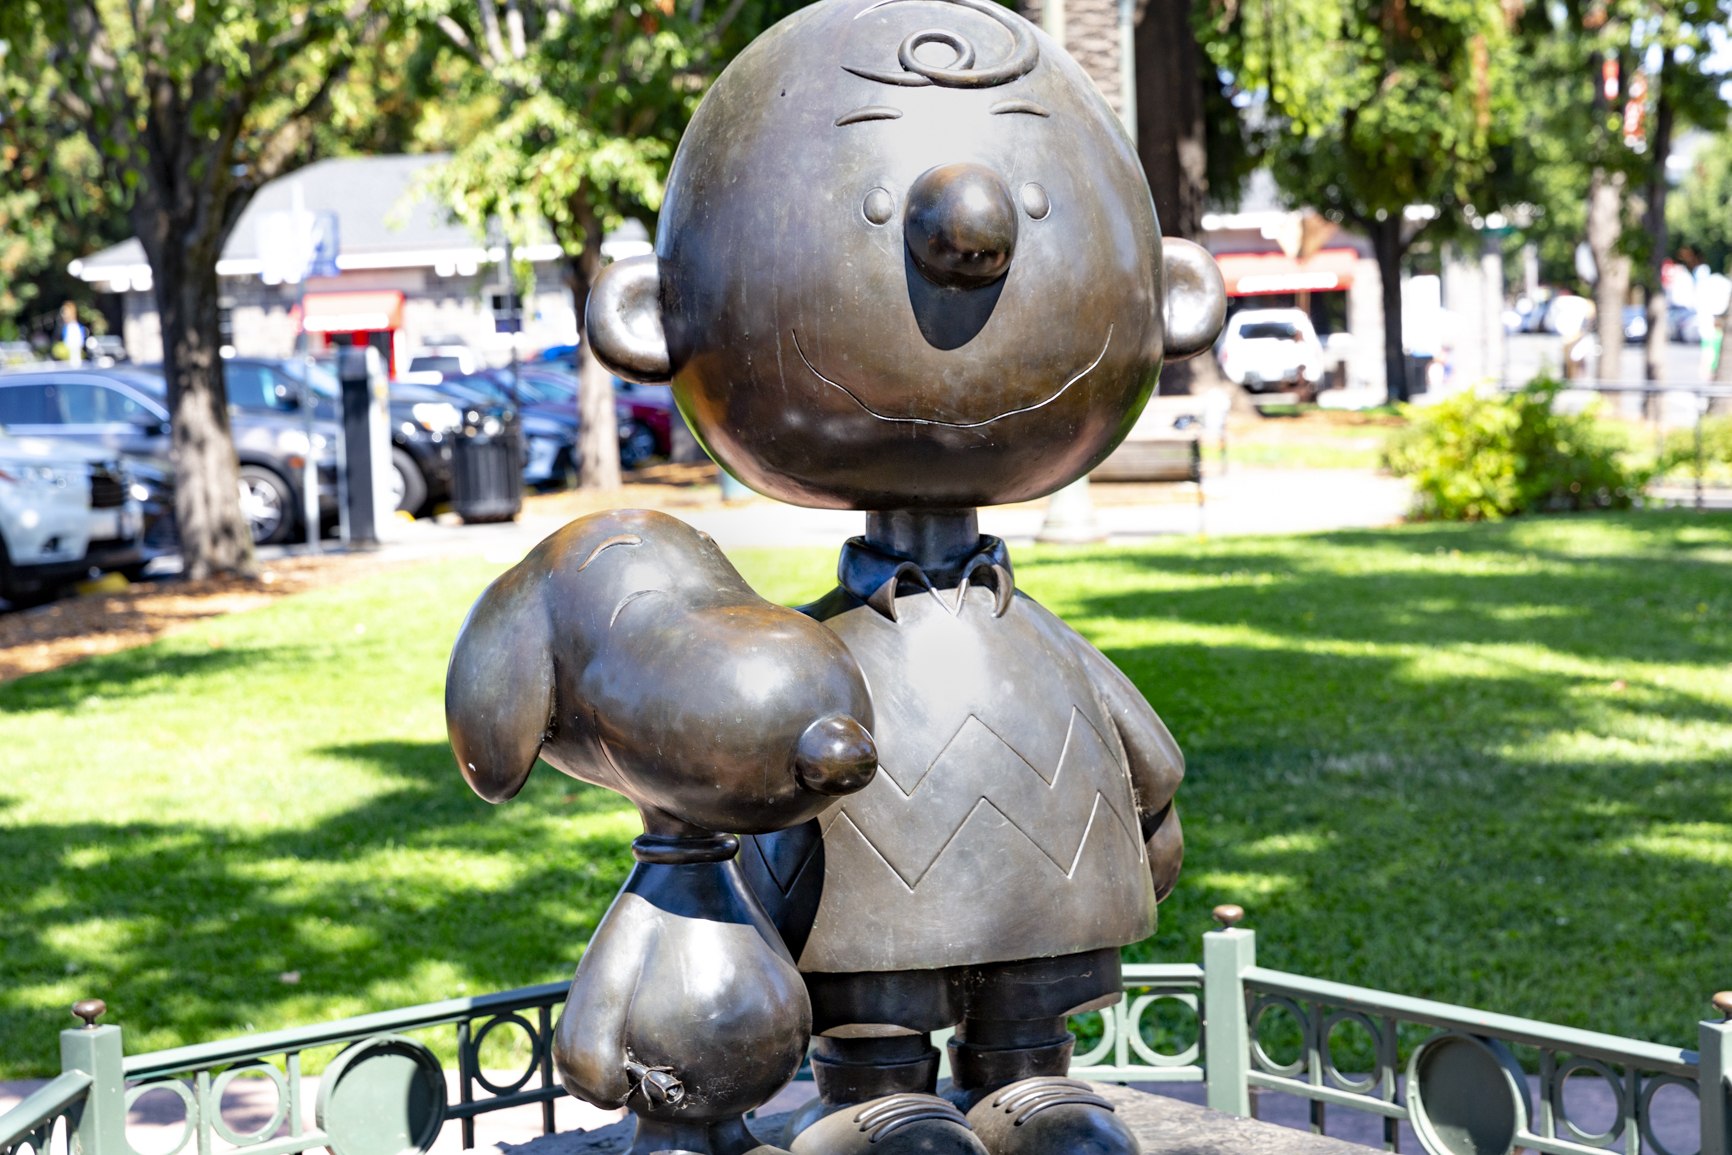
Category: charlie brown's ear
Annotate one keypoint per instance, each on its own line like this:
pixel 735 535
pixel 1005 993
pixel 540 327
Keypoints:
pixel 623 320
pixel 499 685
pixel 1196 298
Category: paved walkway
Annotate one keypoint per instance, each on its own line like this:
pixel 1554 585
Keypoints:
pixel 1245 501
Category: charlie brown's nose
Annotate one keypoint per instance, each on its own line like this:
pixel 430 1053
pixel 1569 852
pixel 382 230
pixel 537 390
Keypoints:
pixel 961 225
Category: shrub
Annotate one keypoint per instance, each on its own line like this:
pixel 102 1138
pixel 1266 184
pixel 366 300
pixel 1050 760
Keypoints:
pixel 1481 458
pixel 1679 455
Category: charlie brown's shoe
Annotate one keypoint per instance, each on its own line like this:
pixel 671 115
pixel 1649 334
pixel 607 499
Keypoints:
pixel 1047 1115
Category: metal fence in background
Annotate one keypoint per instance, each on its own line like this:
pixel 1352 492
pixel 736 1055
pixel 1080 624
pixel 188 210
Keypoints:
pixel 1459 1077
pixel 1702 400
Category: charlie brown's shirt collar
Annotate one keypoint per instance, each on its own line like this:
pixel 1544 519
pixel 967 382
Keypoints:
pixel 876 576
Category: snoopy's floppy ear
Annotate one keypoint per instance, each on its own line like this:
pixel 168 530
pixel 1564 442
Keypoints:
pixel 1196 298
pixel 499 685
pixel 623 320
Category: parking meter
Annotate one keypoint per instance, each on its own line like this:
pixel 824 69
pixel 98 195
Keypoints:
pixel 366 444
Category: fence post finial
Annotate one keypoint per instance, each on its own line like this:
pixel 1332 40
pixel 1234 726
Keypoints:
pixel 96 1050
pixel 1227 954
pixel 1714 1073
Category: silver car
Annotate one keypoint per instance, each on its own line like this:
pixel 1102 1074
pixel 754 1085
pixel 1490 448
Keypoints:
pixel 66 511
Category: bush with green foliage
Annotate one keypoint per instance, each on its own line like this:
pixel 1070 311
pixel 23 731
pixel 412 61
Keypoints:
pixel 1480 458
pixel 1678 459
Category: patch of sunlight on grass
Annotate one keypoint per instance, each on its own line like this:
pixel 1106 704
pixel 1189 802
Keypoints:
pixel 1295 843
pixel 1709 843
pixel 1254 887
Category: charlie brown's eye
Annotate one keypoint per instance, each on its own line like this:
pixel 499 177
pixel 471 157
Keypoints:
pixel 879 206
pixel 1034 201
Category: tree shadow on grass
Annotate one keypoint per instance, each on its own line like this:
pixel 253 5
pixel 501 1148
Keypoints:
pixel 1467 780
pixel 1504 785
pixel 1652 604
pixel 419 893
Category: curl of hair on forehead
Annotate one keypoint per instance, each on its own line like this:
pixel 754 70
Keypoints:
pixel 961 71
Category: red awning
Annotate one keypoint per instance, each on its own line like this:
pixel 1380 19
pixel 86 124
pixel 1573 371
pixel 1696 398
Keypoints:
pixel 352 312
pixel 1262 274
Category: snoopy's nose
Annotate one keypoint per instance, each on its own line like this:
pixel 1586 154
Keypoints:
pixel 835 756
pixel 961 225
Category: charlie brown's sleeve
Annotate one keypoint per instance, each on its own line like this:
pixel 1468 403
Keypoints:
pixel 1156 764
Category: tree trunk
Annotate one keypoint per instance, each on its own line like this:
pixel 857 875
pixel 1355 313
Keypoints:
pixel 1386 245
pixel 1612 284
pixel 1172 142
pixel 1654 361
pixel 598 425
pixel 214 536
pixel 1171 134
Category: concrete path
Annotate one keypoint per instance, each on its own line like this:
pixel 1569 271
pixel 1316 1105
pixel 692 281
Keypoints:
pixel 1245 501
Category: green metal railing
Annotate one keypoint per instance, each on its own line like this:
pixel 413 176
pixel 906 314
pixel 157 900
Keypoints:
pixel 1444 1070
pixel 1453 1074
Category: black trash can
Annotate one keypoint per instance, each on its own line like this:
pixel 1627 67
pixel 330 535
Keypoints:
pixel 487 470
pixel 1418 373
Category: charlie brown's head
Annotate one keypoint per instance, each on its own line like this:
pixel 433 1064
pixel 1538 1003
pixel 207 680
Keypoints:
pixel 907 259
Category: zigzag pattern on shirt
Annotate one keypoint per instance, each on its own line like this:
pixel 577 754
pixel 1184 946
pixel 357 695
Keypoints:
pixel 978 777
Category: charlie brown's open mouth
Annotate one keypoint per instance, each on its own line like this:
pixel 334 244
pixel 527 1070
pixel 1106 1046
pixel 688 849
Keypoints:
pixel 1059 392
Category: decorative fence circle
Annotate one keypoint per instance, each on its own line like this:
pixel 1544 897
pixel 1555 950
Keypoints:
pixel 1146 1051
pixel 1332 1069
pixel 1466 1095
pixel 1654 1085
pixel 1260 1054
pixel 472 1052
pixel 278 1116
pixel 1594 1069
pixel 382 1096
pixel 177 1087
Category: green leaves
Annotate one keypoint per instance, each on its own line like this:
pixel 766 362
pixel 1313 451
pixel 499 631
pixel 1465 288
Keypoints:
pixel 1478 458
pixel 1385 106
pixel 592 106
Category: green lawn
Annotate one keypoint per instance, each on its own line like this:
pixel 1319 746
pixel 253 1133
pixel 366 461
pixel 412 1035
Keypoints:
pixel 1488 764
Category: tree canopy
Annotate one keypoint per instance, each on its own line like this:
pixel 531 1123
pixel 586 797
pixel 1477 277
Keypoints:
pixel 1371 107
pixel 587 100
pixel 188 109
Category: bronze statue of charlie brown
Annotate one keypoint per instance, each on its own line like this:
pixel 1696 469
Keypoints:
pixel 907 264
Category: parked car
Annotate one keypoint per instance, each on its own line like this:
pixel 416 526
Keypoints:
pixel 440 363
pixel 549 427
pixel 1263 349
pixel 1635 323
pixel 649 408
pixel 1568 315
pixel 423 423
pixel 125 410
pixel 67 510
pixel 643 414
pixel 1683 324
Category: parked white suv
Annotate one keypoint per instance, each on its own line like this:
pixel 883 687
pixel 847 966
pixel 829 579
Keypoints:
pixel 66 510
pixel 439 363
pixel 1265 349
